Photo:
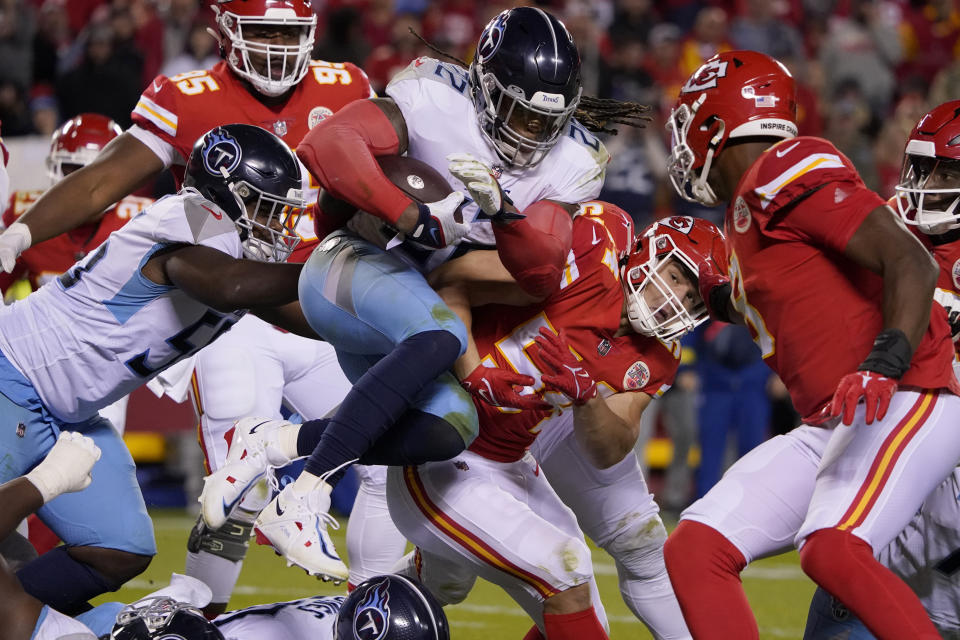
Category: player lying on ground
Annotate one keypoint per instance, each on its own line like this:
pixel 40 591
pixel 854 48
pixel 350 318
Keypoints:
pixel 391 607
pixel 163 286
pixel 838 296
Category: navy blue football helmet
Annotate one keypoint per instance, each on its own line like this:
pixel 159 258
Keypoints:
pixel 525 83
pixel 391 607
pixel 163 618
pixel 255 178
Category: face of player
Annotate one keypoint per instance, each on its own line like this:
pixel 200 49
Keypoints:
pixel 272 64
pixel 679 281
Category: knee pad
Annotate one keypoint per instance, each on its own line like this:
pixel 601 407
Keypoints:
pixel 230 541
pixel 638 546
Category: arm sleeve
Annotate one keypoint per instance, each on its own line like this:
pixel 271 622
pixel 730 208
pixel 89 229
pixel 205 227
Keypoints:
pixel 534 250
pixel 341 154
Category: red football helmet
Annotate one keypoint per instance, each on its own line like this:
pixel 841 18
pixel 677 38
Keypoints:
pixel 929 188
pixel 78 142
pixel 281 66
pixel 735 94
pixel 652 277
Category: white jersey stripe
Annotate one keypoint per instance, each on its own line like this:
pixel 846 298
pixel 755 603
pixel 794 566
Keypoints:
pixel 166 120
pixel 769 191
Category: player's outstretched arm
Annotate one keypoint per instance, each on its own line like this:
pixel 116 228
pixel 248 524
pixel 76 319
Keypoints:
pixel 123 165
pixel 223 282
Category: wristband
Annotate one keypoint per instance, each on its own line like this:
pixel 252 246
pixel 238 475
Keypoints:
pixel 890 356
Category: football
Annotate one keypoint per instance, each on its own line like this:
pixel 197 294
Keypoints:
pixel 415 178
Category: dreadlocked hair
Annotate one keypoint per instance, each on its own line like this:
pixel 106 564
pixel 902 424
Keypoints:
pixel 593 113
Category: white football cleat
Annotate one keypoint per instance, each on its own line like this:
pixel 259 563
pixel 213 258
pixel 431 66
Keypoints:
pixel 251 455
pixel 295 525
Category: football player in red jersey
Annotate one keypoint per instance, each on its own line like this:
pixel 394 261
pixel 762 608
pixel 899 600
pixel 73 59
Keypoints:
pixel 497 517
pixel 266 79
pixel 838 296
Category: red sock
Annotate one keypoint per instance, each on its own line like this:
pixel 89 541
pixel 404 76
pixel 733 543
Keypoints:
pixel 704 568
pixel 582 625
pixel 534 634
pixel 844 565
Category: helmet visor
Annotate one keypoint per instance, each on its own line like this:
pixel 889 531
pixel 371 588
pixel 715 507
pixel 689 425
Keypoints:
pixel 268 226
pixel 662 296
pixel 929 193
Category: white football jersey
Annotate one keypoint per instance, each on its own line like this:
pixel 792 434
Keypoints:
pixel 434 98
pixel 102 329
pixel 926 555
pixel 311 617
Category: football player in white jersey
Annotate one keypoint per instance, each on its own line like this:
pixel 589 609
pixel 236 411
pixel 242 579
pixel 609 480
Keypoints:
pixel 509 116
pixel 387 607
pixel 166 284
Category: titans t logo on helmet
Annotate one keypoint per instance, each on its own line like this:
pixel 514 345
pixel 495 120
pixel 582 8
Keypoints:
pixel 492 37
pixel 221 153
pixel 372 619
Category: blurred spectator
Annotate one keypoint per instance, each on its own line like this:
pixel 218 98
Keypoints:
pixel 679 414
pixel 377 21
pixel 101 83
pixel 862 48
pixel 931 38
pixel 809 83
pixel 13 110
pixel 179 20
pixel 16 42
pixel 591 42
pixel 623 75
pixel 633 19
pixel 708 38
pixel 759 28
pixel 342 40
pixel 849 126
pixel 125 48
pixel 201 52
pixel 51 41
pixel 733 397
pixel 453 26
pixel 946 84
pixel 663 65
pixel 138 28
pixel 388 59
pixel 890 144
pixel 44 114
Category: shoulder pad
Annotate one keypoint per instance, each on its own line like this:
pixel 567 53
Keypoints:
pixel 424 68
pixel 793 167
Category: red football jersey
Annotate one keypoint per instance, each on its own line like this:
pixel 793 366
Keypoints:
pixel 947 255
pixel 47 260
pixel 814 313
pixel 180 109
pixel 587 307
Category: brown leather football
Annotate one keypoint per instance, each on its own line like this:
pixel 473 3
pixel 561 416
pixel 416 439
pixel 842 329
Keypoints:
pixel 415 178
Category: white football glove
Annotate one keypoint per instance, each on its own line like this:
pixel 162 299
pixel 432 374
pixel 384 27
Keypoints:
pixel 438 226
pixel 481 184
pixel 66 467
pixel 14 240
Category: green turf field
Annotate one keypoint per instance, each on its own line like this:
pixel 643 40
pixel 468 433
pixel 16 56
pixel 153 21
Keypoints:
pixel 777 588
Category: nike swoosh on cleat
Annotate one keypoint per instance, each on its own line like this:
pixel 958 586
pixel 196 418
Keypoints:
pixel 323 545
pixel 254 428
pixel 228 507
pixel 279 510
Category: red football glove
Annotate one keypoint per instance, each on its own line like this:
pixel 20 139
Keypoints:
pixel 501 388
pixel 569 376
pixel 875 389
